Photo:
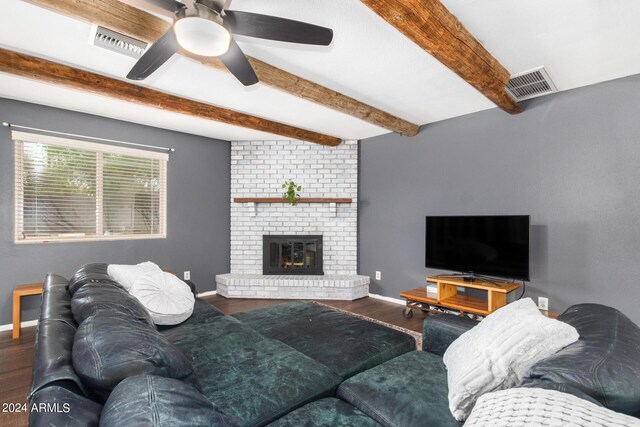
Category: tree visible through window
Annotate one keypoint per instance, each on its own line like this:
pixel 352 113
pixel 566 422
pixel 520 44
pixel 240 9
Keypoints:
pixel 72 190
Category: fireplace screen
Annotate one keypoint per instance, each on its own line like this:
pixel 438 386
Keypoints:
pixel 292 255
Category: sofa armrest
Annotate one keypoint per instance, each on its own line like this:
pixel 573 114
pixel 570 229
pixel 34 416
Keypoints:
pixel 440 330
pixel 192 286
pixel 61 404
pixel 52 361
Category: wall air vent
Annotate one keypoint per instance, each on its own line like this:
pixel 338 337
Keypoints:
pixel 116 42
pixel 530 84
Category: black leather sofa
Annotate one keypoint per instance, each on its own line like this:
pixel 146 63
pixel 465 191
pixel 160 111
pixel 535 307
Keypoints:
pixel 99 355
pixel 603 366
pixel 288 365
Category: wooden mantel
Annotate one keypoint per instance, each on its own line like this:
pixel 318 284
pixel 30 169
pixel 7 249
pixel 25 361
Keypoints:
pixel 283 200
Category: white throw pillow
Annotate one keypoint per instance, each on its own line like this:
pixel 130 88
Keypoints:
pixel 540 407
pixel 499 352
pixel 126 274
pixel 168 299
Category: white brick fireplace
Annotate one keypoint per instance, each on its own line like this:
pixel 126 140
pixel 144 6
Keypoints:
pixel 258 170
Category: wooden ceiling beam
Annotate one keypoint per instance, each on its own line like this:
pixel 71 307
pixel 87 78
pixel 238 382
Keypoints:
pixel 430 25
pixel 34 68
pixel 136 23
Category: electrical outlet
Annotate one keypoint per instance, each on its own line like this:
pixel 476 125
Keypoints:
pixel 543 303
pixel 378 275
pixel 186 275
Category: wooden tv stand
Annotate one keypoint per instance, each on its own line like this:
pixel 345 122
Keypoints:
pixel 448 297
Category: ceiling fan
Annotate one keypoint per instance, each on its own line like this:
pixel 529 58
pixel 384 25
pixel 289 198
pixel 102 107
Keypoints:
pixel 206 28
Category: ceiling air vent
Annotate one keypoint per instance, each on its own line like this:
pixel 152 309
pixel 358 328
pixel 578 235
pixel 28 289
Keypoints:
pixel 530 84
pixel 116 42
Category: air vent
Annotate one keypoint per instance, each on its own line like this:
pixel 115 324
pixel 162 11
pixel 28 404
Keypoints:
pixel 116 42
pixel 530 84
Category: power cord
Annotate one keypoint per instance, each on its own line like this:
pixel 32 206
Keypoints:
pixel 524 287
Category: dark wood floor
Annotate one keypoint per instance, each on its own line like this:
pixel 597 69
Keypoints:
pixel 16 356
pixel 16 359
pixel 376 309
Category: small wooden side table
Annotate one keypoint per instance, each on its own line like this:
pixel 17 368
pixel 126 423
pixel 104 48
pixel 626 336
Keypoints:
pixel 448 297
pixel 19 292
pixel 417 299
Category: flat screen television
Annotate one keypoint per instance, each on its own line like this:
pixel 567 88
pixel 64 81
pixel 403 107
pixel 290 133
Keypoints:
pixel 484 245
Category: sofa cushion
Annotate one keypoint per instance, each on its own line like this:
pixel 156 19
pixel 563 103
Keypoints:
pixel 220 336
pixel 203 312
pixel 439 331
pixel 126 274
pixel 60 406
pixel 262 382
pixel 149 400
pixel 498 353
pixel 401 391
pixel 89 273
pixel 344 343
pixel 110 346
pixel 168 299
pixel 604 363
pixel 534 406
pixel 94 297
pixel 561 387
pixel 328 412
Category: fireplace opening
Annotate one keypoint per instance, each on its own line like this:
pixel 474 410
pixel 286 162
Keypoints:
pixel 292 255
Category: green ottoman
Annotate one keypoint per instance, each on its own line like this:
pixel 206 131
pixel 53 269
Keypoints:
pixel 260 383
pixel 407 391
pixel 344 343
pixel 216 337
pixel 329 412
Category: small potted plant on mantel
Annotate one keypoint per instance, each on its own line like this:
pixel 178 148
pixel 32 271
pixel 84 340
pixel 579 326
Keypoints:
pixel 292 192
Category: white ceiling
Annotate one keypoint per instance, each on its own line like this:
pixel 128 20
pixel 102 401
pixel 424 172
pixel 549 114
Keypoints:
pixel 580 42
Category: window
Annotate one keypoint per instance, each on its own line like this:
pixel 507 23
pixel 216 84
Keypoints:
pixel 68 190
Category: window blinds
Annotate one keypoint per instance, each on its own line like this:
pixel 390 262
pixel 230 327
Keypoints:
pixel 75 190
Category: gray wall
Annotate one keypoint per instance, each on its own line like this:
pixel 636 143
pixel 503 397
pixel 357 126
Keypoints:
pixel 571 161
pixel 197 207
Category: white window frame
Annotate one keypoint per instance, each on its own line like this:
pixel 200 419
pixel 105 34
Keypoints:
pixel 21 137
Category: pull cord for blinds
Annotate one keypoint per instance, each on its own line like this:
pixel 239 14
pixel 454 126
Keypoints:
pixel 11 125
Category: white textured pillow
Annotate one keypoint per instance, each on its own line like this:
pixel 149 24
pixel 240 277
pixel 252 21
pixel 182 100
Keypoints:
pixel 498 353
pixel 168 299
pixel 126 274
pixel 540 407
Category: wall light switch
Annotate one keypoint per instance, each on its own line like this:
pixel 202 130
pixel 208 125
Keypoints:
pixel 543 303
pixel 187 275
pixel 378 275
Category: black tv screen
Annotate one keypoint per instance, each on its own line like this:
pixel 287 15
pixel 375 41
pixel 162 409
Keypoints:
pixel 489 245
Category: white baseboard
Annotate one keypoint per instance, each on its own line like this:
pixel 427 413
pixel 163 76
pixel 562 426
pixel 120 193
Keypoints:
pixel 206 294
pixel 9 326
pixel 388 299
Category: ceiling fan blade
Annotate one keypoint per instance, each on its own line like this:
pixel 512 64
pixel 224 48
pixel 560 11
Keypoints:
pixel 274 28
pixel 156 55
pixel 170 5
pixel 237 63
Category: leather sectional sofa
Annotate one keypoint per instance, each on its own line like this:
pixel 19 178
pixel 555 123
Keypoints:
pixel 291 364
pixel 249 378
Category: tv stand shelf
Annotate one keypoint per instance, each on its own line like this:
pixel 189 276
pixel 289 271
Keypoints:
pixel 449 298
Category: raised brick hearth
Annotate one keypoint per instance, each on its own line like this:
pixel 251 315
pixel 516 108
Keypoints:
pixel 348 287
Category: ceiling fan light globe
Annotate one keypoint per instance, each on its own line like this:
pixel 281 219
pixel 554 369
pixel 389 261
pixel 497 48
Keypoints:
pixel 202 36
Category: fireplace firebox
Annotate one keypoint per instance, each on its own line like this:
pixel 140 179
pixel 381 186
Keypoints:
pixel 295 254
